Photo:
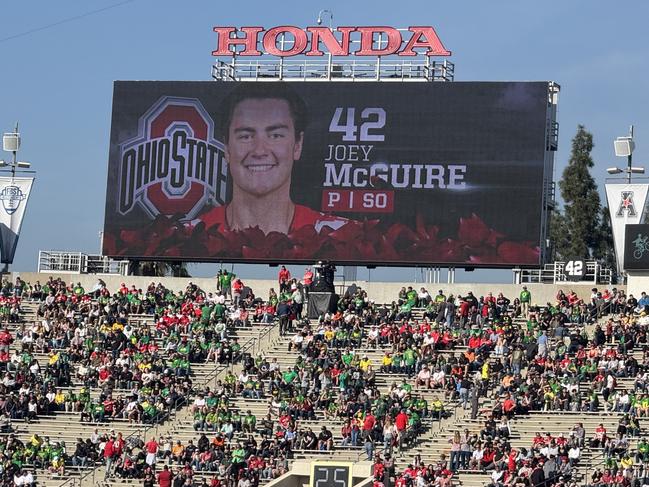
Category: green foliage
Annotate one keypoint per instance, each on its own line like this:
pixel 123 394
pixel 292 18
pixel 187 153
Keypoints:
pixel 559 236
pixel 577 233
pixel 605 250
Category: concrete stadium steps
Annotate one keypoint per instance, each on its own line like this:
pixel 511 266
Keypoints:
pixel 67 427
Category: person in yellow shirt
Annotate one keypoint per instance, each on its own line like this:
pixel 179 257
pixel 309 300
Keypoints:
pixel 36 440
pixel 438 408
pixel 626 461
pixel 485 371
pixel 144 366
pixel 59 398
pixel 329 335
pixel 386 362
pixel 365 363
pixel 54 357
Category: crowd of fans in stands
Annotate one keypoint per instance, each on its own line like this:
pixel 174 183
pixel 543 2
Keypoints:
pixel 85 354
pixel 523 358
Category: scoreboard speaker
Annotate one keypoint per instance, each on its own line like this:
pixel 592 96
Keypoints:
pixel 321 303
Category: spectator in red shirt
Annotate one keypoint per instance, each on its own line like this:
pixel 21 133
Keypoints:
pixel 401 422
pixel 237 289
pixel 509 407
pixel 151 449
pixel 119 444
pixel 308 277
pixel 5 340
pixel 284 277
pixel 109 455
pixel 368 424
pixel 165 477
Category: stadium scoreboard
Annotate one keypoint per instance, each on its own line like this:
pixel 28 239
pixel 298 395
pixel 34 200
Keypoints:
pixel 378 173
pixel 331 474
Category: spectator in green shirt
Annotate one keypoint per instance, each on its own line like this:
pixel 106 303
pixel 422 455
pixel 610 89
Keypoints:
pixel 249 422
pixel 225 281
pixel 526 299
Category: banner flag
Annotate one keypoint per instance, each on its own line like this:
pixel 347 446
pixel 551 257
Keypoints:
pixel 14 194
pixel 626 205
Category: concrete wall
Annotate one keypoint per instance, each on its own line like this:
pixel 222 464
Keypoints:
pixel 637 282
pixel 380 292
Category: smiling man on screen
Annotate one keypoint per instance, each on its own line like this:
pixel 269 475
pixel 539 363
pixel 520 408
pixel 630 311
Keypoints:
pixel 263 131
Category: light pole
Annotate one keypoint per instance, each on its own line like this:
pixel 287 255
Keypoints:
pixel 624 147
pixel 331 18
pixel 331 28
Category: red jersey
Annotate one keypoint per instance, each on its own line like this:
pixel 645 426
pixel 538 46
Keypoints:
pixel 151 446
pixel 284 275
pixel 109 449
pixel 5 338
pixel 369 422
pixel 302 217
pixel 308 278
pixel 401 421
pixel 164 478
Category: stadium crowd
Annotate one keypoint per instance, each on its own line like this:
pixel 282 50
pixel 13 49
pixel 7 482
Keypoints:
pixel 101 362
pixel 105 364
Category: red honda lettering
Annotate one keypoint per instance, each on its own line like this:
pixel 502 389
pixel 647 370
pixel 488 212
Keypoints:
pixel 367 41
pixel 270 41
pixel 226 40
pixel 431 41
pixel 329 40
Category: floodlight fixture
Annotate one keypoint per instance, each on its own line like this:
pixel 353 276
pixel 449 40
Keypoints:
pixel 623 146
pixel 11 142
pixel 331 17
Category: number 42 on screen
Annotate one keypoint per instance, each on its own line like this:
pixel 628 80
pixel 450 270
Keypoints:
pixel 371 120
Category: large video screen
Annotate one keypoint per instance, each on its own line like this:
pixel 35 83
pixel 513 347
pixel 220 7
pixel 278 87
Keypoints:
pixel 376 173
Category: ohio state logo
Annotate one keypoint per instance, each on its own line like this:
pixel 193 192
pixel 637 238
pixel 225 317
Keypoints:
pixel 175 165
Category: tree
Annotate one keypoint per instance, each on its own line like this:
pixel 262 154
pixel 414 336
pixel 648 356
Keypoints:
pixel 577 232
pixel 605 250
pixel 559 236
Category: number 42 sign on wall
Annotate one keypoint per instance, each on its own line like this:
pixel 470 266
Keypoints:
pixel 574 270
pixel 331 474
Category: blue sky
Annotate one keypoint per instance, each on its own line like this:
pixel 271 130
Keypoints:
pixel 57 81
